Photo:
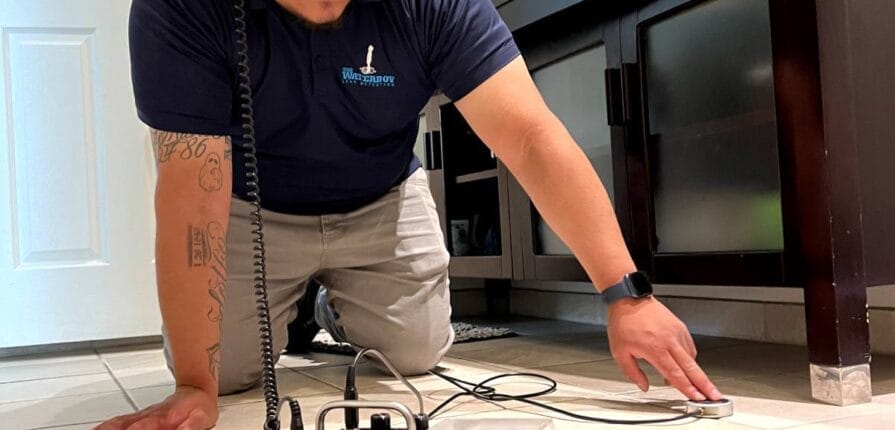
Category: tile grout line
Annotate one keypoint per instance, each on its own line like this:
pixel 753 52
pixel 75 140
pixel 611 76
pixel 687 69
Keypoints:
pixel 51 377
pixel 320 380
pixel 95 356
pixel 127 394
pixel 54 397
pixel 67 425
pixel 826 420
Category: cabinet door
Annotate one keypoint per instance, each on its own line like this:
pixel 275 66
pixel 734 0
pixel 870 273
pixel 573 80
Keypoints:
pixel 711 210
pixel 569 57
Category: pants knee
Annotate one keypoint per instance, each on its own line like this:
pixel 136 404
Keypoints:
pixel 236 382
pixel 412 363
pixel 418 356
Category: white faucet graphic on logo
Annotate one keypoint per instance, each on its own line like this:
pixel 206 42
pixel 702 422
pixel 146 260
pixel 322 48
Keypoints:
pixel 369 69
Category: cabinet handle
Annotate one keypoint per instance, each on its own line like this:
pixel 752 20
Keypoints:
pixel 433 151
pixel 630 88
pixel 614 97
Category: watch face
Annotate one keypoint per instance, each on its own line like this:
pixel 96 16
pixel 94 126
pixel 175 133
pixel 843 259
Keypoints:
pixel 640 284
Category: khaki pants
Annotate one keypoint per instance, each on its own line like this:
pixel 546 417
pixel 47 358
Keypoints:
pixel 384 267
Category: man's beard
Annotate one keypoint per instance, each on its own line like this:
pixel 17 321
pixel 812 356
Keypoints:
pixel 319 26
pixel 323 26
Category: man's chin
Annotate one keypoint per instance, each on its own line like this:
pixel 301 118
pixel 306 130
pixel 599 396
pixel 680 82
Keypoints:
pixel 322 25
pixel 327 16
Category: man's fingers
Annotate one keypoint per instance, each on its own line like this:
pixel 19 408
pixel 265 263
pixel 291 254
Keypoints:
pixel 631 370
pixel 695 374
pixel 689 344
pixel 673 373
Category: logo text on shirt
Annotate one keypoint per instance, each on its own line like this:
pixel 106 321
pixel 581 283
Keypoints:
pixel 367 76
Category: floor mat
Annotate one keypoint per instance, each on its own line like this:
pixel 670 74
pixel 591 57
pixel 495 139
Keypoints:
pixel 323 342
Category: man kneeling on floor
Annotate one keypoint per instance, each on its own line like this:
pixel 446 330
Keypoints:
pixel 338 88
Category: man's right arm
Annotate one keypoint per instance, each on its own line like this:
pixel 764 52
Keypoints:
pixel 192 203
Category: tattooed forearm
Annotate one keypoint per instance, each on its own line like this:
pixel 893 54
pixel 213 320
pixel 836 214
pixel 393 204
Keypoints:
pixel 214 359
pixel 183 146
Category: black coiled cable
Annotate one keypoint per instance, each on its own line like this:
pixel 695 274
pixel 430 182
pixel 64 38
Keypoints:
pixel 268 371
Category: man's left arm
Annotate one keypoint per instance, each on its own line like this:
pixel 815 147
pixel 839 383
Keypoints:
pixel 511 117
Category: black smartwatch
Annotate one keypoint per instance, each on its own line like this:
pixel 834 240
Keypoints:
pixel 634 286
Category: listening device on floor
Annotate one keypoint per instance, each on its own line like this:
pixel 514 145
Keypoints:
pixel 710 408
pixel 351 404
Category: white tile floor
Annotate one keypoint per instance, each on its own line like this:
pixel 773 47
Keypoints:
pixel 768 384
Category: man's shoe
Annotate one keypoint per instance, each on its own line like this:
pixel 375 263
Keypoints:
pixel 303 330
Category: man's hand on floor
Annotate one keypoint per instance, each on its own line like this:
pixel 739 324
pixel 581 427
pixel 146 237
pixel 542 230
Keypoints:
pixel 187 409
pixel 645 328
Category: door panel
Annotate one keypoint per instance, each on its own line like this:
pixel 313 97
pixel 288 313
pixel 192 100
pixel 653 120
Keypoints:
pixel 704 158
pixel 60 161
pixel 76 225
pixel 712 129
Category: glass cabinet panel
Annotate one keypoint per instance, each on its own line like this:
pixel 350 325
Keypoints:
pixel 575 91
pixel 708 75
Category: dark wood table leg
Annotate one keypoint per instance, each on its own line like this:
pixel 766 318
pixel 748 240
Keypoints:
pixel 821 180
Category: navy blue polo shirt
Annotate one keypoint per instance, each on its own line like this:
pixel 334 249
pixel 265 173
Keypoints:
pixel 336 110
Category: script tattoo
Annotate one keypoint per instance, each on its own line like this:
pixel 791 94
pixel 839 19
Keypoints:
pixel 218 243
pixel 183 146
pixel 214 359
pixel 211 177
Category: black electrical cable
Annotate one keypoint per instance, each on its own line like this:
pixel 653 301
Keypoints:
pixel 268 371
pixel 483 391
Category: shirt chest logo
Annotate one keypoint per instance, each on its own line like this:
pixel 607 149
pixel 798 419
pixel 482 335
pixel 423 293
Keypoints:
pixel 366 75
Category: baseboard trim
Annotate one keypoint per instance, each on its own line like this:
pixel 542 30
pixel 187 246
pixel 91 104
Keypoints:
pixel 686 297
pixel 754 320
pixel 17 351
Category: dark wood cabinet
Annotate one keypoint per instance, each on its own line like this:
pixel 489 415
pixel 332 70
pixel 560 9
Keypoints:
pixel 696 119
pixel 674 102
pixel 742 142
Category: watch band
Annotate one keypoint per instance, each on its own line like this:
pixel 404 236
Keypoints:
pixel 633 285
pixel 616 292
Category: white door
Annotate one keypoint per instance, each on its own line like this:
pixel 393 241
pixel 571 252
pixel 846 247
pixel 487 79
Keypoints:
pixel 76 224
